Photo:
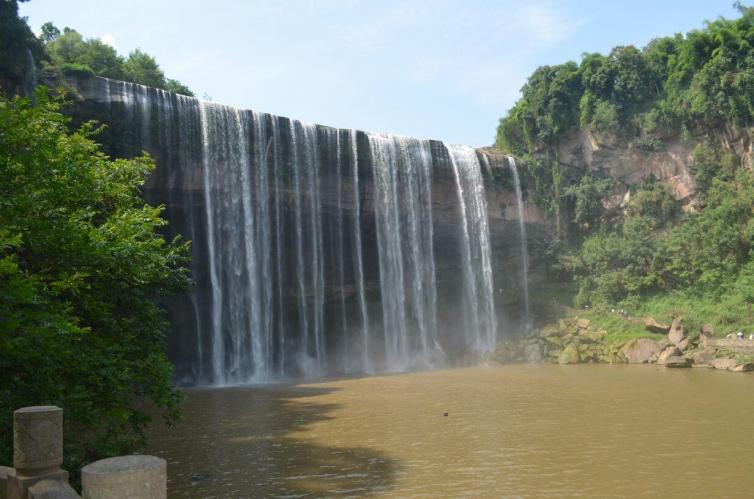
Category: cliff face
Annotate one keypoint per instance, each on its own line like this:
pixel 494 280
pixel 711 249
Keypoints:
pixel 315 249
pixel 671 164
pixel 671 161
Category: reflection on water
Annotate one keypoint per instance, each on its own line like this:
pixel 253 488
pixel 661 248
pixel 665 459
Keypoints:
pixel 528 431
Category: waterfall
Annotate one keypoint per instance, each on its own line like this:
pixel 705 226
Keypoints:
pixel 315 250
pixel 403 211
pixel 30 82
pixel 366 365
pixel 280 312
pixel 524 250
pixel 475 247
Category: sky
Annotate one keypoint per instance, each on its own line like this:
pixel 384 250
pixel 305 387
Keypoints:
pixel 431 69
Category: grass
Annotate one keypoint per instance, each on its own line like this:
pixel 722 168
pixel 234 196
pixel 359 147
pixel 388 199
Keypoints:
pixel 620 330
pixel 727 314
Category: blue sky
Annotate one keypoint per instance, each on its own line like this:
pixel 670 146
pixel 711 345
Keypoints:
pixel 440 69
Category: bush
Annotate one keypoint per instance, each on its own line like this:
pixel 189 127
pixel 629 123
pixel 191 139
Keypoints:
pixel 605 118
pixel 655 202
pixel 81 263
pixel 649 144
pixel 74 69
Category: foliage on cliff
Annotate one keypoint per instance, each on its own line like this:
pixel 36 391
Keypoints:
pixel 699 85
pixel 707 253
pixel 81 264
pixel 73 53
pixel 680 84
pixel 646 255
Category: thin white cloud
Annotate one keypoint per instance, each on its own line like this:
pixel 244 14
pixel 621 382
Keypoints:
pixel 108 39
pixel 546 24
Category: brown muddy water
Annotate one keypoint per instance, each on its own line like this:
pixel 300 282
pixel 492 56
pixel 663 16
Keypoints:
pixel 513 431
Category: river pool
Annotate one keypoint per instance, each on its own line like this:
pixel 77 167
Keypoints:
pixel 511 431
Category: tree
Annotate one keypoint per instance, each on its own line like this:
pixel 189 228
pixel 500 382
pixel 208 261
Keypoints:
pixel 142 68
pixel 176 86
pixel 49 33
pixel 81 265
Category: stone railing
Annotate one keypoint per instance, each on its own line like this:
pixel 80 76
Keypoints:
pixel 38 455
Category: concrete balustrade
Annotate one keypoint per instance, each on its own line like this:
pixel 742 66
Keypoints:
pixel 37 448
pixel 132 477
pixel 7 478
pixel 52 489
pixel 38 455
pixel 37 439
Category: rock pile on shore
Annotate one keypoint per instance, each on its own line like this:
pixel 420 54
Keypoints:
pixel 575 340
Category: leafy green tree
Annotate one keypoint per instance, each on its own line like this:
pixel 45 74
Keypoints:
pixel 77 55
pixel 103 59
pixel 587 200
pixel 656 203
pixel 176 86
pixel 81 265
pixel 68 47
pixel 49 33
pixel 142 68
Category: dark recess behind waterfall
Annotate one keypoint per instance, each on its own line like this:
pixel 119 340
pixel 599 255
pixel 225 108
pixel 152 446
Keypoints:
pixel 177 183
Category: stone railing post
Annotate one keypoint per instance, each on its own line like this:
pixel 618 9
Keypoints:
pixel 131 477
pixel 7 480
pixel 37 447
pixel 38 454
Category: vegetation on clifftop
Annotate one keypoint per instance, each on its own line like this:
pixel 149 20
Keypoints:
pixel 646 255
pixel 75 54
pixel 69 52
pixel 680 84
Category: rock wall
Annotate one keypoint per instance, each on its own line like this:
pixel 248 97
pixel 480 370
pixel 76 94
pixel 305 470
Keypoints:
pixel 317 326
pixel 672 164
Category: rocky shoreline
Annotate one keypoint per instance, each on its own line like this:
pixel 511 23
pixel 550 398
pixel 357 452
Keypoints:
pixel 574 341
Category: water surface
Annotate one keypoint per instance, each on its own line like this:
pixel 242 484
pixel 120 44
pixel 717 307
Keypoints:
pixel 520 431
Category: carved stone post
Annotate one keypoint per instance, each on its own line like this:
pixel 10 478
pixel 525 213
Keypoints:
pixel 132 477
pixel 37 447
pixel 7 479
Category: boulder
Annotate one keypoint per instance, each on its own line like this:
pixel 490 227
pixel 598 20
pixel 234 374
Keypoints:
pixel 554 353
pixel 706 333
pixel 533 352
pixel 703 357
pixel 583 323
pixel 743 368
pixel 593 336
pixel 669 352
pixel 590 352
pixel 505 352
pixel 640 350
pixel 569 355
pixel 551 330
pixel 683 345
pixel 610 357
pixel 724 363
pixel 677 333
pixel 653 326
pixel 554 342
pixel 678 361
pixel 707 330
